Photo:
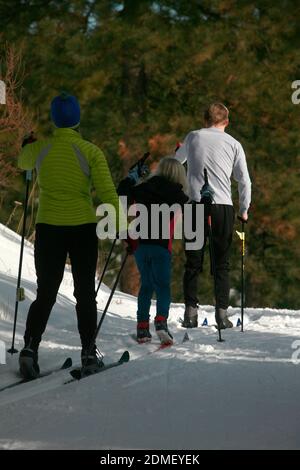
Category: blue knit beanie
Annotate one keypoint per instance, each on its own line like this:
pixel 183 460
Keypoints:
pixel 65 110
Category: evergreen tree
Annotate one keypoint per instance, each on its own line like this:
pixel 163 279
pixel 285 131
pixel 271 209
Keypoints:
pixel 144 71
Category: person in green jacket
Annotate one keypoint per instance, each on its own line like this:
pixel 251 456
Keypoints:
pixel 67 167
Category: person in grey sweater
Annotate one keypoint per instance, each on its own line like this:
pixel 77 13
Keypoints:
pixel 211 148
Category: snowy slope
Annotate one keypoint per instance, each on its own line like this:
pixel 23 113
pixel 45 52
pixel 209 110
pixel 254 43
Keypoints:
pixel 201 394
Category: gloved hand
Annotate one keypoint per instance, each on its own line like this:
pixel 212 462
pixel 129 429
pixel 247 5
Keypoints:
pixel 143 170
pixel 133 174
pixel 29 139
pixel 138 171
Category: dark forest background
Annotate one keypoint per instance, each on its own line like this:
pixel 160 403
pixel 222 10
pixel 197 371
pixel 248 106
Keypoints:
pixel 144 71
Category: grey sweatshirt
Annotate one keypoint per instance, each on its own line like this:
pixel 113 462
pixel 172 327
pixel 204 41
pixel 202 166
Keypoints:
pixel 222 156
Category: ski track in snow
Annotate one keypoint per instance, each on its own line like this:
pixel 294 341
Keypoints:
pixel 201 394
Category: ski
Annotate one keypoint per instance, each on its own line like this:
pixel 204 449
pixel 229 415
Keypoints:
pixel 66 365
pixel 163 346
pixel 79 373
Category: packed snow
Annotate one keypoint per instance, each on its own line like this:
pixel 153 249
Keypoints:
pixel 198 394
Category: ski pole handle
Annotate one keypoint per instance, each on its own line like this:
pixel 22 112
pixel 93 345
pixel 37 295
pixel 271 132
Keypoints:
pixel 20 294
pixel 242 220
pixel 141 161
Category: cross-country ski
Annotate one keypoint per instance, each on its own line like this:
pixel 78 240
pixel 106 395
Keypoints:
pixel 66 365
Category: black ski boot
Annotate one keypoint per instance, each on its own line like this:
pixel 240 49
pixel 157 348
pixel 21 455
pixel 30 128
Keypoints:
pixel 190 319
pixel 143 334
pixel 28 363
pixel 162 331
pixel 93 361
pixel 222 319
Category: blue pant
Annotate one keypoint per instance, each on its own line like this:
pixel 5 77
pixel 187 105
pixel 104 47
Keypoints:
pixel 154 264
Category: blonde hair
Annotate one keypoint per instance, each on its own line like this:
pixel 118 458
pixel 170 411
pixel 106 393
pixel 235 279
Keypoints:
pixel 173 170
pixel 215 114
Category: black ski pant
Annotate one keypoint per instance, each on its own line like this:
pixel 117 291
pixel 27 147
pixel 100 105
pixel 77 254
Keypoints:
pixel 222 217
pixel 52 245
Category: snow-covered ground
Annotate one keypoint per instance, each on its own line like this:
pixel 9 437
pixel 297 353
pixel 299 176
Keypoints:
pixel 201 394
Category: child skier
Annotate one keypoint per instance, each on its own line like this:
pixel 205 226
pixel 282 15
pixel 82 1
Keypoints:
pixel 153 256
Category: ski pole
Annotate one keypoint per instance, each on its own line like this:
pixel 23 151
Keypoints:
pixel 242 237
pixel 105 309
pixel 20 291
pixel 213 264
pixel 105 266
